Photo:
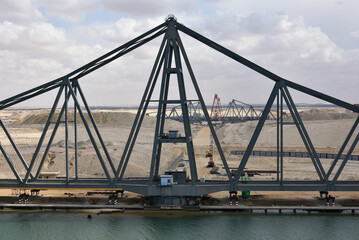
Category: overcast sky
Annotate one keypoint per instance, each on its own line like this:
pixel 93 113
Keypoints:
pixel 313 43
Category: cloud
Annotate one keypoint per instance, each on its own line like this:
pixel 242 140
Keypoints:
pixel 39 50
pixel 125 29
pixel 284 45
pixel 69 10
pixel 30 38
pixel 146 8
pixel 19 11
pixel 355 34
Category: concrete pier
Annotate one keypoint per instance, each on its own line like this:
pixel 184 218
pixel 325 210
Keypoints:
pixel 281 209
pixel 67 206
pixel 251 209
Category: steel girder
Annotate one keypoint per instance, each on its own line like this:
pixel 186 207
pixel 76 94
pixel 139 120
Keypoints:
pixel 172 48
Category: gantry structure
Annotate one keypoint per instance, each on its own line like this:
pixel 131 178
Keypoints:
pixel 169 65
pixel 236 111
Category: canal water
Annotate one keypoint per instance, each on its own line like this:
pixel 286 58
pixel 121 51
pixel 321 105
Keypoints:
pixel 176 225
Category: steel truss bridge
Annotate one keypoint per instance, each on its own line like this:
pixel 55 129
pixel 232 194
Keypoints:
pixel 236 111
pixel 168 66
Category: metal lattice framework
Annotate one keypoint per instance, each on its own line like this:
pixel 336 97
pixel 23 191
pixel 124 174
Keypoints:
pixel 236 111
pixel 170 62
pixel 194 112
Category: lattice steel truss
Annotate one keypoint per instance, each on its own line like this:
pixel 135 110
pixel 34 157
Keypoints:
pixel 170 61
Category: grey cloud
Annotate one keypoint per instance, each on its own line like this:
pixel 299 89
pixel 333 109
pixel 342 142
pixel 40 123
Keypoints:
pixel 284 43
pixel 148 8
pixel 19 11
pixel 70 10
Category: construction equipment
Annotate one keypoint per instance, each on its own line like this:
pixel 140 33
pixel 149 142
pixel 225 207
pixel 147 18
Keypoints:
pixel 209 153
pixel 216 112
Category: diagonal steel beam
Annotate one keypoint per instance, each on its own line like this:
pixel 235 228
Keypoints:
pixel 349 153
pixel 90 134
pixel 11 165
pixel 49 143
pixel 184 107
pixel 44 131
pixel 306 134
pixel 159 109
pixel 9 103
pixel 264 71
pixel 120 54
pixel 256 133
pixel 204 108
pixel 95 128
pixel 15 147
pixel 120 48
pixel 85 69
pixel 305 137
pixel 341 150
pixel 137 125
pixel 139 117
pixel 163 113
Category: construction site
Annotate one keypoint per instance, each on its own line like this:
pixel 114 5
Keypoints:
pixel 172 152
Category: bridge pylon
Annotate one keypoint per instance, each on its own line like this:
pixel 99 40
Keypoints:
pixel 170 62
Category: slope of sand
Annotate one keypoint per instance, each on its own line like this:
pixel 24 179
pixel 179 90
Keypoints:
pixel 114 128
pixel 326 127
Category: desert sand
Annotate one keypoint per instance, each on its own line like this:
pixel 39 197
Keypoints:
pixel 327 128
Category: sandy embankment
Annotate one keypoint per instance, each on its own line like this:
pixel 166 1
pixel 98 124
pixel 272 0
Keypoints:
pixel 326 127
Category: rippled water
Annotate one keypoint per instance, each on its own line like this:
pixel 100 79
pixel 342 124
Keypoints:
pixel 153 225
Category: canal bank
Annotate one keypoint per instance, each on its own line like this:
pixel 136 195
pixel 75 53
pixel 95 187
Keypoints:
pixel 201 208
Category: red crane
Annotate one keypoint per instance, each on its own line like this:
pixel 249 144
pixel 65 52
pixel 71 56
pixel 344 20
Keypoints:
pixel 216 115
pixel 216 112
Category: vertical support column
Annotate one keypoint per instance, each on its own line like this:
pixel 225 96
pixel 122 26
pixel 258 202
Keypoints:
pixel 90 134
pixel 186 122
pixel 278 136
pixel 164 107
pixel 281 137
pixel 66 135
pixel 159 113
pixel 75 132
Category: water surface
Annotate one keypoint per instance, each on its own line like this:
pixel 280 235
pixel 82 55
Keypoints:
pixel 153 225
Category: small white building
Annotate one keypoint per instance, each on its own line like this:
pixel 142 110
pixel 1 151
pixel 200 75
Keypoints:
pixel 166 180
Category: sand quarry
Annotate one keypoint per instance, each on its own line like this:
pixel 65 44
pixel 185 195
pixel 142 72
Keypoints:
pixel 327 128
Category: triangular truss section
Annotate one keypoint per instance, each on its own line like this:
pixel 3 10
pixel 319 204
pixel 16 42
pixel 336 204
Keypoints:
pixel 282 94
pixel 69 91
pixel 169 62
pixel 169 65
pixel 6 156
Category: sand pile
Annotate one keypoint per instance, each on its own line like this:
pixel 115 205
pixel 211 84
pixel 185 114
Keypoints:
pixel 326 128
pixel 102 118
pixel 327 114
pixel 80 144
